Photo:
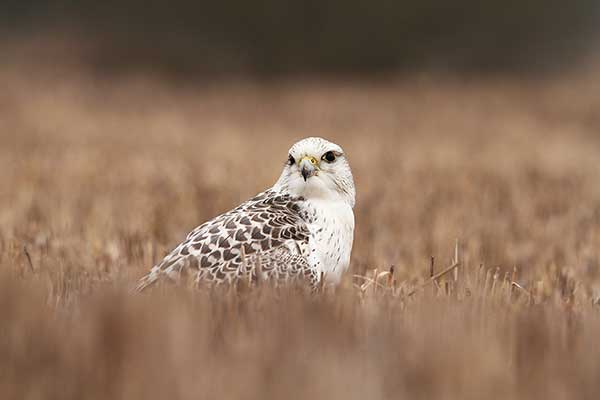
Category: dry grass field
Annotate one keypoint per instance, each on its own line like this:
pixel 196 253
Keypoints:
pixel 100 176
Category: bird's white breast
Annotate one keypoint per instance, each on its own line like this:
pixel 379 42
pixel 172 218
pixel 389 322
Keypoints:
pixel 331 225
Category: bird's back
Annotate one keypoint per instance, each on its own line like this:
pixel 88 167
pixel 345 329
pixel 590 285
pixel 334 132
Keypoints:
pixel 263 238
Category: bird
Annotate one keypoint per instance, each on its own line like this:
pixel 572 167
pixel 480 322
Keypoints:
pixel 299 230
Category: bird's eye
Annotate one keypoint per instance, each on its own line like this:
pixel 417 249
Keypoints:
pixel 291 160
pixel 329 156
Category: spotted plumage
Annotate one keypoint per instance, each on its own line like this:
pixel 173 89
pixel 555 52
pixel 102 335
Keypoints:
pixel 297 230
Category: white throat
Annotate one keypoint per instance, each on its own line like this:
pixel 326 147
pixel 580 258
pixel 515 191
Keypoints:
pixel 312 190
pixel 331 224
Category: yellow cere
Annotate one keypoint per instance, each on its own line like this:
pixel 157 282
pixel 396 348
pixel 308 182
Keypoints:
pixel 311 159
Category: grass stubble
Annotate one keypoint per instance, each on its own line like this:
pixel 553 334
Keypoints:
pixel 475 269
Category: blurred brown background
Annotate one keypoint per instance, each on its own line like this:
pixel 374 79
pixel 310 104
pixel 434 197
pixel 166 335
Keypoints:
pixel 273 38
pixel 123 126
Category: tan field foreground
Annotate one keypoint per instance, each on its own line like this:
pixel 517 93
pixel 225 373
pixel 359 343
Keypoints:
pixel 101 176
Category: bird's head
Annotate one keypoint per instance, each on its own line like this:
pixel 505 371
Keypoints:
pixel 317 169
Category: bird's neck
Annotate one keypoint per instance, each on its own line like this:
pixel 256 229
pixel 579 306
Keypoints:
pixel 317 194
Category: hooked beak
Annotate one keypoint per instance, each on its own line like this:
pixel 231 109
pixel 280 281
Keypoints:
pixel 308 167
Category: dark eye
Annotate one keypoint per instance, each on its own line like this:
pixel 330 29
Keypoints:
pixel 291 160
pixel 329 156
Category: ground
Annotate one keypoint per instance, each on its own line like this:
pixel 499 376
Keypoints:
pixel 101 176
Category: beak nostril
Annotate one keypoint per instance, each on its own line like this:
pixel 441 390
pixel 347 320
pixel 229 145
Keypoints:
pixel 308 167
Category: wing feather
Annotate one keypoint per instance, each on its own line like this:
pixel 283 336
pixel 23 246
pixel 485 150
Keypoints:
pixel 265 237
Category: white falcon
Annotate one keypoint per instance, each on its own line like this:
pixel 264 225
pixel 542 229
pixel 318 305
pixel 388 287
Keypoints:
pixel 300 229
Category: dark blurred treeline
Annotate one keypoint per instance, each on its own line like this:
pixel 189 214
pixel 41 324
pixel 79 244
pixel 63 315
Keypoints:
pixel 274 37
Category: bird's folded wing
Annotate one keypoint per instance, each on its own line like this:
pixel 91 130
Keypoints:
pixel 264 238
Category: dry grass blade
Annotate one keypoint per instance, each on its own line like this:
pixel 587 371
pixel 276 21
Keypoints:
pixel 432 267
pixel 390 275
pixel 28 256
pixel 515 284
pixel 435 277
